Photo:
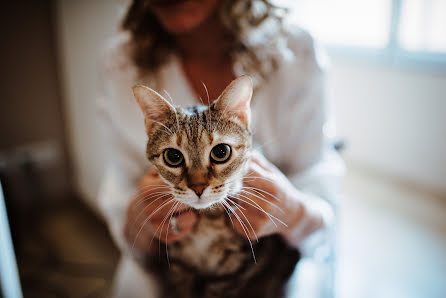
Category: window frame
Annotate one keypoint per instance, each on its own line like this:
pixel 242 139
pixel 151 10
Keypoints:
pixel 393 53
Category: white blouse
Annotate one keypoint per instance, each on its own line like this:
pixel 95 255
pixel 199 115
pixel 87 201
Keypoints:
pixel 289 122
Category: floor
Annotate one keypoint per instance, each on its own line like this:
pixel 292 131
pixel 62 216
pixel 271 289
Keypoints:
pixel 392 243
pixel 392 240
pixel 68 254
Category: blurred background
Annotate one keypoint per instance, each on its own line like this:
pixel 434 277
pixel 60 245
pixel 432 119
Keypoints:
pixel 388 85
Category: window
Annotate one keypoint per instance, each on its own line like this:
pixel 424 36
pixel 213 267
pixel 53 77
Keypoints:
pixel 423 25
pixel 397 29
pixel 331 21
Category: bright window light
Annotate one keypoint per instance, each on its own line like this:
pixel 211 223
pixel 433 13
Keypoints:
pixel 423 25
pixel 344 22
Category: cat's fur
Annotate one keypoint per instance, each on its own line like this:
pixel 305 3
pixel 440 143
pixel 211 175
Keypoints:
pixel 214 260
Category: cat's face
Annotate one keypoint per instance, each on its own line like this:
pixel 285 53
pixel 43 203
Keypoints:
pixel 200 152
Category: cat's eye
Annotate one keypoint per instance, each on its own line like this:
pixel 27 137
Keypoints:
pixel 220 153
pixel 173 157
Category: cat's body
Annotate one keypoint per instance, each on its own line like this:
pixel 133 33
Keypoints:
pixel 215 261
pixel 202 153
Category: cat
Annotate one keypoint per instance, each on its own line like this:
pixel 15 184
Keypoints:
pixel 202 152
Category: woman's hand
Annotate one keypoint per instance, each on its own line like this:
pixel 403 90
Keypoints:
pixel 270 204
pixel 149 213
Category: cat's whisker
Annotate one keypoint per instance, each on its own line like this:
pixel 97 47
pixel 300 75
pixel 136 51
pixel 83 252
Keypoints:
pixel 171 132
pixel 143 197
pixel 249 223
pixel 160 197
pixel 201 99
pixel 156 231
pixel 209 124
pixel 245 230
pixel 262 199
pixel 238 205
pixel 159 226
pixel 207 93
pixel 253 178
pixel 176 114
pixel 231 196
pixel 148 190
pixel 148 185
pixel 171 210
pixel 227 212
pixel 236 216
pixel 168 228
pixel 258 207
pixel 261 190
pixel 154 197
pixel 147 196
pixel 149 217
pixel 151 186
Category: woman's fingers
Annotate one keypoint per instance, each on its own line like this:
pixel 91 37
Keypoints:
pixel 178 226
pixel 156 221
pixel 265 206
pixel 247 222
pixel 256 216
pixel 150 211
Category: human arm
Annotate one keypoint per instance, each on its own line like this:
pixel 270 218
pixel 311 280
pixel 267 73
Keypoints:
pixel 296 140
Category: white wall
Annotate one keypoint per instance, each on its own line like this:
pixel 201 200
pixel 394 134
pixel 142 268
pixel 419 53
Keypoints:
pixel 392 119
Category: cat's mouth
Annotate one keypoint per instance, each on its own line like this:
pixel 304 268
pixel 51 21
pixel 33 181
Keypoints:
pixel 202 205
pixel 201 202
pixel 217 194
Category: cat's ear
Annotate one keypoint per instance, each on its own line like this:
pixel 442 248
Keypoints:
pixel 154 107
pixel 236 98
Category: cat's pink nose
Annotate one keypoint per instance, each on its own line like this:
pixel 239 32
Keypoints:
pixel 198 188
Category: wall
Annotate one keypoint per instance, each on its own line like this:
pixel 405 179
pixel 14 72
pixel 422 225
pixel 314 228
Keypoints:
pixel 83 28
pixel 31 121
pixel 392 119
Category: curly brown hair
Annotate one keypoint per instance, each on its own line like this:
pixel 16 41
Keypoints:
pixel 255 26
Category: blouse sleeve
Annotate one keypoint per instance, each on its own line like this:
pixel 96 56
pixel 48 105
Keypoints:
pixel 123 166
pixel 118 185
pixel 310 161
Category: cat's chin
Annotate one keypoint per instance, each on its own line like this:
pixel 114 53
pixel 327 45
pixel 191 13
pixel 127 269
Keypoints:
pixel 201 205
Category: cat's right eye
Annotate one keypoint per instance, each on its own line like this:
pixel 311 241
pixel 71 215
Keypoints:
pixel 173 157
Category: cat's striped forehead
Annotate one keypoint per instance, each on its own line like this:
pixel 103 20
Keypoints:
pixel 196 128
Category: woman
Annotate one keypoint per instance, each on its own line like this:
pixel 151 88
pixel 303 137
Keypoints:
pixel 176 46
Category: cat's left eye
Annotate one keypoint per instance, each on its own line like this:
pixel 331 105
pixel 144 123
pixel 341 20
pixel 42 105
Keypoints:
pixel 220 153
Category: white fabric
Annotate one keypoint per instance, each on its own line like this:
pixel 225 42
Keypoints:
pixel 289 114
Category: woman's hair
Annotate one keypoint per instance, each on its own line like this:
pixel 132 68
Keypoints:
pixel 255 25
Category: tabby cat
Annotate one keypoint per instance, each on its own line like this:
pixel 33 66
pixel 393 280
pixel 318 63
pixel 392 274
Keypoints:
pixel 202 153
